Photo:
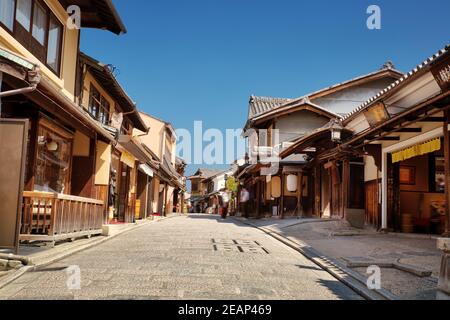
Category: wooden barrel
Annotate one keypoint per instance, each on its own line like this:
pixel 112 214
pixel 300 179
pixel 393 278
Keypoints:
pixel 407 223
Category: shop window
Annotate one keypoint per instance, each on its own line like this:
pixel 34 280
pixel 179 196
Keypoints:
pixel 53 160
pixel 7 13
pixel 437 173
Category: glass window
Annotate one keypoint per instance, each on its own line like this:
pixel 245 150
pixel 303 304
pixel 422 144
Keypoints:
pixel 94 102
pixel 7 13
pixel 439 175
pixel 54 44
pixel 39 23
pixel 53 162
pixel 23 13
pixel 104 111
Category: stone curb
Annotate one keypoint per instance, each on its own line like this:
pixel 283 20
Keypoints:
pixel 36 264
pixel 349 277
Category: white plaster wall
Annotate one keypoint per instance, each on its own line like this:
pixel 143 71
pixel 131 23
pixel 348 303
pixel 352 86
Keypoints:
pixel 370 169
pixel 346 100
pixel 299 123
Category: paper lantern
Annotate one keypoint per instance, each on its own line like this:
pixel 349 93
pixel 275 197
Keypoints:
pixel 276 187
pixel 292 183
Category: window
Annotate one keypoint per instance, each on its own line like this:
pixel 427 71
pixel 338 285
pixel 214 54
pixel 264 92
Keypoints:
pixel 36 28
pixel 23 13
pixel 39 23
pixel 94 102
pixel 7 13
pixel 104 111
pixel 53 160
pixel 99 107
pixel 54 44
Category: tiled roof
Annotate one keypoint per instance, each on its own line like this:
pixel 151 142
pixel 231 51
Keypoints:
pixel 260 105
pixel 397 83
pixel 206 173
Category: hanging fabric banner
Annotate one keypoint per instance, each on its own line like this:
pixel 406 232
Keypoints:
pixel 128 159
pixel 417 150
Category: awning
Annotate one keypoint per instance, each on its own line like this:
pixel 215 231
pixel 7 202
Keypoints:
pixel 133 146
pixel 127 158
pixel 417 150
pixel 147 170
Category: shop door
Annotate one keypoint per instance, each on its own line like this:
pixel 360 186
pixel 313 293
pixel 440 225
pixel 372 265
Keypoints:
pixel 373 216
pixel 13 142
pixel 336 192
pixel 141 195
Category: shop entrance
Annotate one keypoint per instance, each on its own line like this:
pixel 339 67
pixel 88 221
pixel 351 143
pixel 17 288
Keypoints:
pixel 417 189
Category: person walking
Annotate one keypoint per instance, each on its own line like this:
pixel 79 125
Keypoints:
pixel 225 201
pixel 244 199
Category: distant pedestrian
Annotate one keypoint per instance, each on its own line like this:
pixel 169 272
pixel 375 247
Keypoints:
pixel 225 201
pixel 244 199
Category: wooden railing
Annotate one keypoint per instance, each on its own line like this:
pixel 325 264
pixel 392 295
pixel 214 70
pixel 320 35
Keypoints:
pixel 53 217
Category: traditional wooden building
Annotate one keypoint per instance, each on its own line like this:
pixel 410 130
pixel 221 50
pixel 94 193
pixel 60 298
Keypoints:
pixel 202 185
pixel 123 168
pixel 38 67
pixel 168 184
pixel 388 159
pixel 281 186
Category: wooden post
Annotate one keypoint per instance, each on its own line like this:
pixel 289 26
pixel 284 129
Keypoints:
pixel 300 194
pixel 345 187
pixel 164 213
pixel 258 198
pixel 447 171
pixel 282 195
pixel 317 191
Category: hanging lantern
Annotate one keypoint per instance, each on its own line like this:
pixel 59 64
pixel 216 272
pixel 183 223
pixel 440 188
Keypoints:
pixel 292 183
pixel 276 187
pixel 336 132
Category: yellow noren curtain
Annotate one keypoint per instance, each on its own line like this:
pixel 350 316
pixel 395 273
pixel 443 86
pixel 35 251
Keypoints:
pixel 417 150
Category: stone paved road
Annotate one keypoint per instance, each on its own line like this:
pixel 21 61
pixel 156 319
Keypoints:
pixel 196 257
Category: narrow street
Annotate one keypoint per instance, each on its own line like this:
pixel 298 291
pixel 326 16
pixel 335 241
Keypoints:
pixel 195 257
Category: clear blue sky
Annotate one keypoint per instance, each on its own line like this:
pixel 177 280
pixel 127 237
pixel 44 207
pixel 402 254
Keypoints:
pixel 201 59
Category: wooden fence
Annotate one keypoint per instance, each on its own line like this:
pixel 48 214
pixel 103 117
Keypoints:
pixel 54 217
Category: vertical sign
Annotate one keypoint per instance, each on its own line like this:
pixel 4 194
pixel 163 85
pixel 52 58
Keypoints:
pixel 13 145
pixel 441 73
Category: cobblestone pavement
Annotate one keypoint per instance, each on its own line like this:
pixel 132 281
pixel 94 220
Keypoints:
pixel 195 257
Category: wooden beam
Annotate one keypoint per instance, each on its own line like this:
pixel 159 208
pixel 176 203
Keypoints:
pixel 433 119
pixel 389 139
pixel 410 130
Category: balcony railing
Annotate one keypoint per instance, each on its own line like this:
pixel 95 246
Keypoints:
pixel 54 217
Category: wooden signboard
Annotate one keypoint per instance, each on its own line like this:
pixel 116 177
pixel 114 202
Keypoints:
pixel 13 144
pixel 441 73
